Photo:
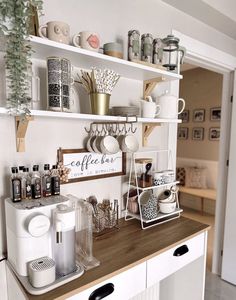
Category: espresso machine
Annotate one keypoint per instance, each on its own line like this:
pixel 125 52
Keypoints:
pixel 41 242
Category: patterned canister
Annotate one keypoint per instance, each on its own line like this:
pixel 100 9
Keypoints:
pixel 133 45
pixel 147 47
pixel 157 51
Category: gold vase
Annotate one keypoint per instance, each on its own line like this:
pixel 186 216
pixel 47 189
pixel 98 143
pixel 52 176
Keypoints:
pixel 99 103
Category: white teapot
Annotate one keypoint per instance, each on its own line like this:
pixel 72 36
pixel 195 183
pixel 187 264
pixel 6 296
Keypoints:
pixel 169 106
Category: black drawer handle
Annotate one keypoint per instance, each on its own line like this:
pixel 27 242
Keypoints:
pixel 181 250
pixel 102 292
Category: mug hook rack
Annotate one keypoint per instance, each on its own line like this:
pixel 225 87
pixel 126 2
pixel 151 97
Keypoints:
pixel 112 127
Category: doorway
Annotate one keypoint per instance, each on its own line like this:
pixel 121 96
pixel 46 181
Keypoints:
pixel 198 146
pixel 206 56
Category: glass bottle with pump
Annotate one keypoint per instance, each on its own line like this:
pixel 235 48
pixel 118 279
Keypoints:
pixel 46 181
pixel 36 182
pixel 55 180
pixel 15 185
pixel 26 190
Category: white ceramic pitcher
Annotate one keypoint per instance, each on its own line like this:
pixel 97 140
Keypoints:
pixel 169 105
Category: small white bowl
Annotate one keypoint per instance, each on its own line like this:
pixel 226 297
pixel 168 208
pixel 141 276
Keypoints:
pixel 167 207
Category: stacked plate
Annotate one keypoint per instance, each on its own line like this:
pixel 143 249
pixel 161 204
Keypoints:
pixel 125 111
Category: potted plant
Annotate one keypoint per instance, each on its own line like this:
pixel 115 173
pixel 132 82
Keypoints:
pixel 15 23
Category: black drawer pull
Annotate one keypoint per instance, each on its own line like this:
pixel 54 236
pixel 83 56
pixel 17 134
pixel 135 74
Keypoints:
pixel 102 292
pixel 181 250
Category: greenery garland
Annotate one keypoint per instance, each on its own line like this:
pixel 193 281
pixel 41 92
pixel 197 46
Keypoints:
pixel 15 23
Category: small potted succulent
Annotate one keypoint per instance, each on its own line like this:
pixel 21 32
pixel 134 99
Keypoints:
pixel 15 23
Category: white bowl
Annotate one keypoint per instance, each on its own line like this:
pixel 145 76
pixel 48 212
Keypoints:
pixel 166 196
pixel 109 145
pixel 167 207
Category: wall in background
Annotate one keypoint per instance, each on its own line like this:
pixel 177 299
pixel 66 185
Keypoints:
pixel 201 89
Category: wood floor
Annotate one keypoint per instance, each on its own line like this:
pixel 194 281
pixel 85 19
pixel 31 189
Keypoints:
pixel 207 219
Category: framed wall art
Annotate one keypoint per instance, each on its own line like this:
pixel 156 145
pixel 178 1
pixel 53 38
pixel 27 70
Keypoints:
pixel 184 116
pixel 199 115
pixel 85 165
pixel 182 133
pixel 215 114
pixel 198 134
pixel 214 134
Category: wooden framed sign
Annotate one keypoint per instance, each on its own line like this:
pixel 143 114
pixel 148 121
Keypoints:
pixel 86 165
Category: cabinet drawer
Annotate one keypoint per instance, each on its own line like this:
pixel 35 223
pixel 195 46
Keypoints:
pixel 123 286
pixel 174 259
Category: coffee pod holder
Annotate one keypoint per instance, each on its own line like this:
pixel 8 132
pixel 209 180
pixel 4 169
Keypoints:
pixel 148 212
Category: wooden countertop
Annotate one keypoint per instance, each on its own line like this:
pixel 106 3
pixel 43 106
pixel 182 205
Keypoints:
pixel 126 248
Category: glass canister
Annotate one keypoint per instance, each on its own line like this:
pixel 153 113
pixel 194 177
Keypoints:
pixel 170 55
pixel 59 84
pixel 157 51
pixel 143 168
pixel 133 45
pixel 147 47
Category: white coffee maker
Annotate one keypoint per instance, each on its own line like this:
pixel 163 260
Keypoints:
pixel 29 230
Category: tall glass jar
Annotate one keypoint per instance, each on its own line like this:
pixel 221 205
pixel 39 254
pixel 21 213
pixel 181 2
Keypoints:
pixel 133 45
pixel 147 47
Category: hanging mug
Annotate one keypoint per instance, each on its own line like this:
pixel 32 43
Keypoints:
pixel 169 105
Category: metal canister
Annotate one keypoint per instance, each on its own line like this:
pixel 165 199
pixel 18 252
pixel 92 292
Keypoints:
pixel 133 45
pixel 157 51
pixel 146 47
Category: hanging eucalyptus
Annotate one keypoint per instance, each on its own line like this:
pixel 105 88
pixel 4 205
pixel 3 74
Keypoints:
pixel 15 22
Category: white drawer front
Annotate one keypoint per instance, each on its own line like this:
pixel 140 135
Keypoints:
pixel 126 285
pixel 166 263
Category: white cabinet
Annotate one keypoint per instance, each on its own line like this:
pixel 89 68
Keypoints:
pixel 126 285
pixel 174 259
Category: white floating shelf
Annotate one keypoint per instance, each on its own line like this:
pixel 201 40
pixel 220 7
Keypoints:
pixel 89 117
pixel 154 186
pixel 160 216
pixel 86 59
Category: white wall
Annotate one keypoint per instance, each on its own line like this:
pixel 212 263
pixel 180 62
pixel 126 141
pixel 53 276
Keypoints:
pixel 112 20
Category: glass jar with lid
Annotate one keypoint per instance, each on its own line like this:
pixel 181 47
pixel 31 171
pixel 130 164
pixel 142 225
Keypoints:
pixel 143 168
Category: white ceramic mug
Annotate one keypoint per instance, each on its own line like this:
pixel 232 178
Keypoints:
pixel 169 106
pixel 149 109
pixel 87 40
pixel 56 31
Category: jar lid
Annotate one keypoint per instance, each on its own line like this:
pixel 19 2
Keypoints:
pixel 130 32
pixel 146 35
pixel 170 39
pixel 143 160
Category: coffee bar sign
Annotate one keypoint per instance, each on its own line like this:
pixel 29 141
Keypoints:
pixel 87 166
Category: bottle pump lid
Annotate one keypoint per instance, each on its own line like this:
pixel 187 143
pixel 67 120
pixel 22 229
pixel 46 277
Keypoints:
pixel 46 167
pixel 35 167
pixel 14 170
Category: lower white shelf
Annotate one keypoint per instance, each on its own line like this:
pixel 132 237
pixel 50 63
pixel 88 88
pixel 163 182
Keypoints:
pixel 160 216
pixel 154 186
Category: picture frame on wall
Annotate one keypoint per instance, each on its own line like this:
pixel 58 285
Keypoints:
pixel 182 133
pixel 199 115
pixel 215 114
pixel 214 134
pixel 86 165
pixel 198 134
pixel 184 116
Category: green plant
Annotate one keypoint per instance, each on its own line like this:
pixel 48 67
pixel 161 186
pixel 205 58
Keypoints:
pixel 15 22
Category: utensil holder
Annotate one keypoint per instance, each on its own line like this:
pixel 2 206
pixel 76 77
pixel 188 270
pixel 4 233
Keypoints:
pixel 99 103
pixel 104 223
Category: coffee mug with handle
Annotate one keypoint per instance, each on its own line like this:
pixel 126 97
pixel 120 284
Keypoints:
pixel 56 31
pixel 87 40
pixel 169 106
pixel 149 109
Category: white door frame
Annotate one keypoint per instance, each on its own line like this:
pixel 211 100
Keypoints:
pixel 218 61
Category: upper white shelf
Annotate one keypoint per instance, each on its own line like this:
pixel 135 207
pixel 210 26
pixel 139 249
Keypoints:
pixel 86 59
pixel 89 117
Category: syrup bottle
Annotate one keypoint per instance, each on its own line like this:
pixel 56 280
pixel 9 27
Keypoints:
pixel 26 185
pixel 15 185
pixel 36 182
pixel 55 179
pixel 46 181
